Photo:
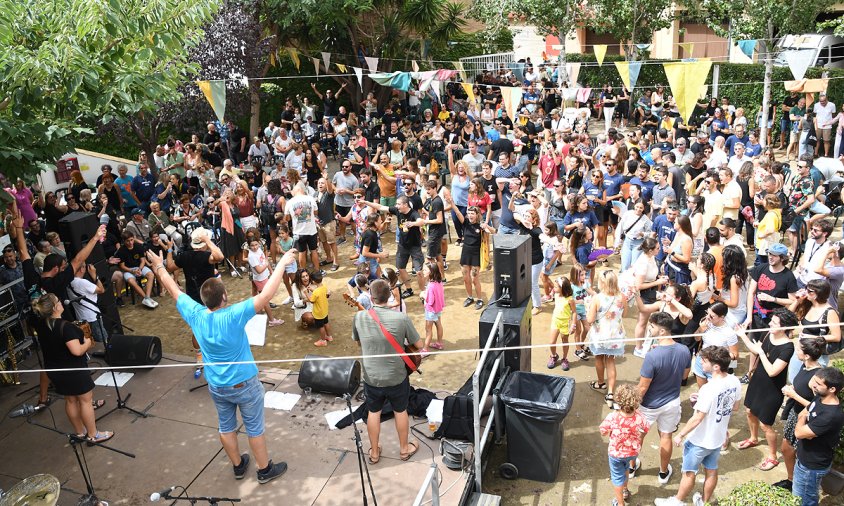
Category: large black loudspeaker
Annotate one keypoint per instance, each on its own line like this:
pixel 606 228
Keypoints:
pixel 106 302
pixel 133 351
pixel 511 280
pixel 517 332
pixel 77 229
pixel 331 376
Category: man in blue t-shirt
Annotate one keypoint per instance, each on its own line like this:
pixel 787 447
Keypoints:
pixel 219 329
pixel 665 368
pixel 663 225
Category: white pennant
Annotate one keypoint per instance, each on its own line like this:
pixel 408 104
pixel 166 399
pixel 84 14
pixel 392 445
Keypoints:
pixel 414 65
pixel 326 59
pixel 372 63
pixel 799 61
pixel 359 74
pixel 316 65
pixel 435 86
pixel 244 81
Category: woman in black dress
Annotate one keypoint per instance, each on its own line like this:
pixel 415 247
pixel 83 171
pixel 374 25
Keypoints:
pixel 764 393
pixel 64 347
pixel 470 256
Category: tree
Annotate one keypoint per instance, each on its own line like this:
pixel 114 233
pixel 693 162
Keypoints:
pixel 631 22
pixel 65 64
pixel 765 20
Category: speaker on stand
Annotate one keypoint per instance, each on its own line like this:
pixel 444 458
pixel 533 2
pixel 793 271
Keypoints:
pixel 511 277
pixel 133 351
pixel 517 323
pixel 332 376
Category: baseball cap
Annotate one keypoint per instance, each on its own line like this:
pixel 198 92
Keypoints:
pixel 778 249
pixel 197 238
pixel 138 210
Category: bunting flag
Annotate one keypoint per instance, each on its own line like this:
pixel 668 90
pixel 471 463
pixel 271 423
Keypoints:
pixel 573 71
pixel 629 72
pixel 341 67
pixel 643 47
pixel 414 65
pixel 372 63
pixel 799 61
pixel 807 85
pixel 326 59
pixel 458 66
pixel 747 47
pixel 688 48
pixel 294 55
pixel 316 65
pixel 215 93
pixel 685 80
pixel 359 75
pixel 398 80
pixel 511 97
pixel 467 87
pixel 600 52
pixel 569 94
pixel 435 87
pixel 272 59
pixel 444 74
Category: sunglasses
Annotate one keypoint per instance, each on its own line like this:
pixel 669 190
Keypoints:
pixel 558 186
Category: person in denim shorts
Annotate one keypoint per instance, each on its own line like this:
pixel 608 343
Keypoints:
pixel 219 329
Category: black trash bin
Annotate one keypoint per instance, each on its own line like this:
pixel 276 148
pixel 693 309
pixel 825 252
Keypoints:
pixel 535 406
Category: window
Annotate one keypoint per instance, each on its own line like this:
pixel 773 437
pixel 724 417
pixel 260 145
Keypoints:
pixel 836 53
pixel 823 57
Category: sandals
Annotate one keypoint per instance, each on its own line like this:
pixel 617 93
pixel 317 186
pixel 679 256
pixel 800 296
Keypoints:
pixel 377 458
pixel 44 404
pixel 406 456
pixel 597 386
pixel 100 437
pixel 98 403
pixel 768 464
pixel 610 400
pixel 747 443
pixel 322 343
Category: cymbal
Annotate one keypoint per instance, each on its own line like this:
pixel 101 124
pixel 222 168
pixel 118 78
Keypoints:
pixel 38 490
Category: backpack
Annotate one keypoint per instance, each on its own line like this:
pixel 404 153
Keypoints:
pixel 458 418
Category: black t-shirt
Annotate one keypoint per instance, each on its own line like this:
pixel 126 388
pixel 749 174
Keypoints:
pixel 415 201
pixel 693 172
pixel 361 151
pixel 236 136
pixel 131 258
pixel 325 208
pixel 54 344
pixel 535 245
pixel 398 136
pixel 826 421
pixel 777 285
pixel 53 216
pixel 502 145
pixel 158 250
pixel 287 115
pixel 211 138
pixel 491 188
pixel 390 118
pixel 435 206
pixel 369 238
pixel 197 271
pixel 471 234
pixel 58 285
pixel 413 237
pixel 329 106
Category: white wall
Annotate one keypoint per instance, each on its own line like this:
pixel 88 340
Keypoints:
pixel 89 165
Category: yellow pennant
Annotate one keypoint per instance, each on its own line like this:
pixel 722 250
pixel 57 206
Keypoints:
pixel 685 80
pixel 294 55
pixel 688 49
pixel 467 87
pixel 600 52
pixel 341 67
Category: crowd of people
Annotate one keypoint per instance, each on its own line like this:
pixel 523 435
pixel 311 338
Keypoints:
pixel 683 206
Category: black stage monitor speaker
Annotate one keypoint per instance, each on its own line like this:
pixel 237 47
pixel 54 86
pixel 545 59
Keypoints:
pixel 511 281
pixel 76 229
pixel 133 351
pixel 333 376
pixel 517 332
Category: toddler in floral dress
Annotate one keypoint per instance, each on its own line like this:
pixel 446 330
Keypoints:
pixel 626 428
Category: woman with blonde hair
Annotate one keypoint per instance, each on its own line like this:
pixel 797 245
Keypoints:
pixel 606 334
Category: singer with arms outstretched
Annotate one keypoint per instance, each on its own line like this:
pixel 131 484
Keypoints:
pixel 219 329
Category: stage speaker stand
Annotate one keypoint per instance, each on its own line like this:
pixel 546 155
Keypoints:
pixel 336 377
pixel 517 332
pixel 511 278
pixel 137 351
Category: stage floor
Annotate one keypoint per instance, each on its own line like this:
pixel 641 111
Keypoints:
pixel 178 445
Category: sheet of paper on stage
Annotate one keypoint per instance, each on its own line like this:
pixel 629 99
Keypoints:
pixel 280 400
pixel 335 416
pixel 105 379
pixel 435 411
pixel 256 330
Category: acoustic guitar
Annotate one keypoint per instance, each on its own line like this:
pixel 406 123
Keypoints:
pixel 412 354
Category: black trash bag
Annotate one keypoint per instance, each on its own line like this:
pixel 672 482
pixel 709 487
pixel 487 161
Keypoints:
pixel 542 397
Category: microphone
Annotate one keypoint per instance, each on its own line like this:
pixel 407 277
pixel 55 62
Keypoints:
pixel 104 219
pixel 155 496
pixel 24 410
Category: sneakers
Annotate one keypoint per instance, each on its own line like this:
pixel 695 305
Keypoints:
pixel 631 472
pixel 288 300
pixel 148 302
pixel 552 361
pixel 479 304
pixel 407 293
pixel 581 354
pixel 786 484
pixel 424 352
pixel 565 364
pixel 271 472
pixel 468 302
pixel 697 499
pixel 664 477
pixel 744 380
pixel 235 274
pixel 334 267
pixel 341 241
pixel 668 501
pixel 445 265
pixel 198 371
pixel 240 470
pixel 639 352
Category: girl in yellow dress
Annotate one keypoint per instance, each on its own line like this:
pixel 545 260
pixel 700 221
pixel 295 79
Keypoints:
pixel 562 323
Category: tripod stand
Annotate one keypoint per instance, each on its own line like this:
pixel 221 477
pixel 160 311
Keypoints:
pixel 75 442
pixel 362 466
pixel 212 501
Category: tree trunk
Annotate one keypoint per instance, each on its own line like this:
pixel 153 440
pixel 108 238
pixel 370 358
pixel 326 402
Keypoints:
pixel 766 93
pixel 254 107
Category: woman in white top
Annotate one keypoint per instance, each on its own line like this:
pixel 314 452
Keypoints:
pixel 487 114
pixel 397 156
pixel 713 205
pixel 303 308
pixel 719 156
pixel 340 131
pixel 647 281
pixel 734 293
pixel 296 159
pixel 633 226
pixel 716 332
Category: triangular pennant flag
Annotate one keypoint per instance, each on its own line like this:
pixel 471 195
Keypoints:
pixel 414 65
pixel 372 63
pixel 624 71
pixel 600 52
pixel 458 66
pixel 688 48
pixel 573 70
pixel 272 59
pixel 747 47
pixel 341 67
pixel 316 65
pixel 359 74
pixel 635 67
pixel 685 80
pixel 798 61
pixel 294 55
pixel 467 87
pixel 511 97
pixel 435 87
pixel 326 59
pixel 398 80
pixel 215 93
pixel 643 47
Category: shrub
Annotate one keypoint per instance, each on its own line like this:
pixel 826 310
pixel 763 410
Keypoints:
pixel 757 493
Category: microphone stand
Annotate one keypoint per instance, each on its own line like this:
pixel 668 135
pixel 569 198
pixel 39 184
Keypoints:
pixel 362 466
pixel 212 501
pixel 75 443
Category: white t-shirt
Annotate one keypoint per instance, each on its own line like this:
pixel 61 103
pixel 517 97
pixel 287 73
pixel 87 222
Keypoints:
pixel 716 398
pixel 735 240
pixel 474 162
pixel 281 144
pixel 302 212
pixel 732 190
pixel 716 159
pixel 85 288
pixel 812 251
pixel 262 150
pixel 735 162
pixel 258 258
pixel 824 114
pixel 645 265
pixel 719 336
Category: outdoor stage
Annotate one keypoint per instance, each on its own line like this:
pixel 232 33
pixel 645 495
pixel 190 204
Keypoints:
pixel 178 445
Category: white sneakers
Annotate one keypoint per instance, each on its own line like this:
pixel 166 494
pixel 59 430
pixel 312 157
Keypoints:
pixel 668 501
pixel 148 302
pixel 697 499
pixel 668 473
pixel 288 300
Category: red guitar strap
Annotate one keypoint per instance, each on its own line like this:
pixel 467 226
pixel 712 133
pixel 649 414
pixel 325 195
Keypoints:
pixel 392 340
